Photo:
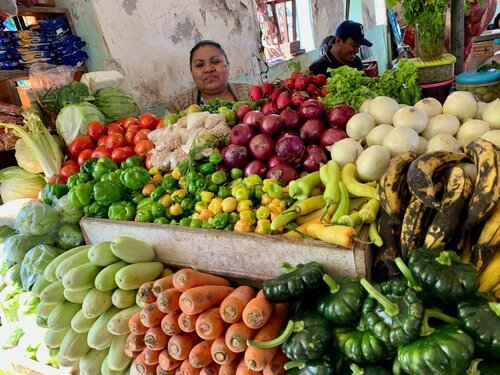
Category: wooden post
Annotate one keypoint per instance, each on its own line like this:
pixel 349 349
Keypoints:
pixel 457 34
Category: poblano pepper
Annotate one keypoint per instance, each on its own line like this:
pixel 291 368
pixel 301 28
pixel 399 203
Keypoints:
pixel 481 319
pixel 81 195
pixel 360 345
pixel 393 312
pixel 95 210
pixel 107 192
pixel 446 350
pixel 443 275
pixel 51 192
pixel 121 210
pixel 342 303
pixel 321 366
pixel 132 161
pixel 102 166
pixel 134 178
pixel 296 283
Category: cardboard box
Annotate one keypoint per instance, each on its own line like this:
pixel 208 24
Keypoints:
pixel 483 48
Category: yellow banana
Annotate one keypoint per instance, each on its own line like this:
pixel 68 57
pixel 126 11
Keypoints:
pixel 353 186
pixel 490 276
pixel 488 241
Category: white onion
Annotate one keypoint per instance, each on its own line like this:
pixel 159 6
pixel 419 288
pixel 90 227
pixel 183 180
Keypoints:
pixel 431 106
pixel 410 117
pixel 493 136
pixel 365 107
pixel 400 140
pixel 345 151
pixel 441 124
pixel 377 134
pixel 422 145
pixel 359 126
pixel 461 104
pixel 443 142
pixel 382 108
pixel 472 129
pixel 491 113
pixel 480 109
pixel 372 163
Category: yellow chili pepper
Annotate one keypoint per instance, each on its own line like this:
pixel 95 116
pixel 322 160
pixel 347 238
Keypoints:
pixel 178 195
pixel 182 182
pixel 176 173
pixel 263 226
pixel 148 189
pixel 165 200
pixel 176 209
pixel 229 204
pixel 243 205
pixel 248 215
pixel 215 205
pixel 200 206
pixel 266 199
pixel 206 196
pixel 157 178
pixel 262 212
pixel 205 214
pixel 277 206
pixel 243 226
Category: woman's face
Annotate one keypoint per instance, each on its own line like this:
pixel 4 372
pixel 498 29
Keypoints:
pixel 346 50
pixel 210 70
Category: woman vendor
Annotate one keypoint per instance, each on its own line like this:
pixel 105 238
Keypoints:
pixel 210 72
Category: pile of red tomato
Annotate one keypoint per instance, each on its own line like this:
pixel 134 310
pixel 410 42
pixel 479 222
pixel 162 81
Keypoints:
pixel 118 140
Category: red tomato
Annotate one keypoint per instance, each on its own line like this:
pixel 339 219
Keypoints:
pixel 133 128
pixel 84 156
pixel 143 146
pixel 148 162
pixel 96 129
pixel 130 149
pixel 101 152
pixel 120 154
pixel 115 128
pixel 127 121
pixel 148 121
pixel 102 140
pixel 114 140
pixel 57 179
pixel 69 170
pixel 129 136
pixel 80 143
pixel 141 134
pixel 69 162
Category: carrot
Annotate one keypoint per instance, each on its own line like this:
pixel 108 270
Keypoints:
pixel 135 325
pixel 221 354
pixel 150 357
pixel 135 342
pixel 201 298
pixel 230 368
pixel 170 324
pixel 276 366
pixel 340 235
pixel 179 346
pixel 161 371
pixel 257 311
pixel 237 335
pixel 151 315
pixel 168 300
pixel 142 367
pixel 256 358
pixel 187 278
pixel 243 369
pixel 186 368
pixel 232 306
pixel 187 323
pixel 200 355
pixel 211 369
pixel 155 338
pixel 162 284
pixel 166 362
pixel 210 325
pixel 145 293
pixel 129 352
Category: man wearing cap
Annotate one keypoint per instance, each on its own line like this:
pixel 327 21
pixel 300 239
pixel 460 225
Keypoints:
pixel 341 49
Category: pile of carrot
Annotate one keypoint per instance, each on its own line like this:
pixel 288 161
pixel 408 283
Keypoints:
pixel 194 323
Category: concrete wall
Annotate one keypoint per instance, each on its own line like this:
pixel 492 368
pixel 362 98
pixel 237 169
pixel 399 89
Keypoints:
pixel 149 40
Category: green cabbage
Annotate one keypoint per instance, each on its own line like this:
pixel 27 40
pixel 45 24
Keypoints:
pixel 17 245
pixel 37 218
pixel 69 236
pixel 74 118
pixel 34 263
pixel 68 213
pixel 115 103
pixel 16 183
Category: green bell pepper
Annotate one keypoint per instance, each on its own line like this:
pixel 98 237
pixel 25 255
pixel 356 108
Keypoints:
pixel 102 166
pixel 95 210
pixel 78 178
pixel 121 210
pixel 51 192
pixel 134 178
pixel 393 311
pixel 145 204
pixel 158 193
pixel 446 350
pixel 112 176
pixel 143 216
pixel 81 195
pixel 296 283
pixel 88 166
pixel 169 183
pixel 137 197
pixel 481 320
pixel 483 367
pixel 161 220
pixel 360 345
pixel 157 210
pixel 107 192
pixel 343 302
pixel 443 275
pixel 221 220
pixel 321 366
pixel 188 204
pixel 132 161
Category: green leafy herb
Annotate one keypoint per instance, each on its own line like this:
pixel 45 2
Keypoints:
pixel 400 83
pixel 213 105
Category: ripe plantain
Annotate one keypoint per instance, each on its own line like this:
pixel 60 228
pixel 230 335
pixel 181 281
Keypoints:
pixel 425 169
pixel 393 189
pixel 489 241
pixel 490 277
pixel 390 232
pixel 456 195
pixel 486 156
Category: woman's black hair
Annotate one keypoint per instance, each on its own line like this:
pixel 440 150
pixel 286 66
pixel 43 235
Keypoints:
pixel 326 44
pixel 496 22
pixel 203 43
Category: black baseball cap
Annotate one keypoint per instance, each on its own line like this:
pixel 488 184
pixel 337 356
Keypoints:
pixel 353 30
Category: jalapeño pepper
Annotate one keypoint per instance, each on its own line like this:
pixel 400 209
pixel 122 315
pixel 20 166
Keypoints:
pixel 51 192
